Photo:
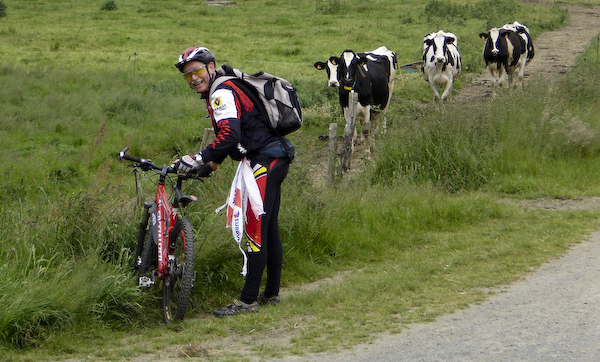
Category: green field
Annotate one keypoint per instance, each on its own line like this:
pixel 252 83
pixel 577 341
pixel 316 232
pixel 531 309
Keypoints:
pixel 429 226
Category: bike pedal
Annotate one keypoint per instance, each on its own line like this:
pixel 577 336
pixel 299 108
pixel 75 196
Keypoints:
pixel 145 282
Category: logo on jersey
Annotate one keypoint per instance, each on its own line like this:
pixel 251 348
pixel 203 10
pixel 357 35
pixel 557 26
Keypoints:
pixel 218 105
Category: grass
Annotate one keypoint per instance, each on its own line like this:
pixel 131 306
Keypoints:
pixel 80 82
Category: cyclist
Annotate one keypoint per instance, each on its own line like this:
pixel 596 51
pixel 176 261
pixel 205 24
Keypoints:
pixel 239 126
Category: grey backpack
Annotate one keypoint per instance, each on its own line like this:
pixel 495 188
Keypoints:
pixel 277 95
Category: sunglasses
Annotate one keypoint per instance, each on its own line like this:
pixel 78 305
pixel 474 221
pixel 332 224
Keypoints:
pixel 197 72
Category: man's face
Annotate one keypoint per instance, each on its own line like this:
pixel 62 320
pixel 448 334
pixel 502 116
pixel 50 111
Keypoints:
pixel 197 75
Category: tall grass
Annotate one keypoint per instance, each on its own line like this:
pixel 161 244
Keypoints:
pixel 471 146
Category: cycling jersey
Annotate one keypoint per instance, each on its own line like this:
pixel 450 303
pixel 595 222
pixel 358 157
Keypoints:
pixel 240 125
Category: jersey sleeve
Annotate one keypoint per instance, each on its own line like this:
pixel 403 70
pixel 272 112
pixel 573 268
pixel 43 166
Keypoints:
pixel 226 115
pixel 223 104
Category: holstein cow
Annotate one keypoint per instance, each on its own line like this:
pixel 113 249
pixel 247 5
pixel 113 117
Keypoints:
pixel 503 55
pixel 331 67
pixel 523 31
pixel 441 62
pixel 371 77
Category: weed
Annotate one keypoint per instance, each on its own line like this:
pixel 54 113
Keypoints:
pixel 109 6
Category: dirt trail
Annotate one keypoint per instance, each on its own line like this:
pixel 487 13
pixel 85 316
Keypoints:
pixel 552 314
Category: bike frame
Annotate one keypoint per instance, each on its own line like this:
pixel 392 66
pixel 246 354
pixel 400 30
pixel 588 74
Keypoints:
pixel 166 218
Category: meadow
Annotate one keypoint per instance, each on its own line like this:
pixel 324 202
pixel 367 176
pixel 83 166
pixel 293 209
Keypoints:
pixel 427 228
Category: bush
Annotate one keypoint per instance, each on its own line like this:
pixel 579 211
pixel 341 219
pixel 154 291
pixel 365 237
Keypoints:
pixel 2 9
pixel 109 6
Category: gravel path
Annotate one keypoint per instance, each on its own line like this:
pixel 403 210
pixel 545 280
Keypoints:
pixel 551 315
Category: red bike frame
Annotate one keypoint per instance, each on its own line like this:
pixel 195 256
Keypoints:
pixel 164 211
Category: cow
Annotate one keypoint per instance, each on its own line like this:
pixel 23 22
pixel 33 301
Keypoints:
pixel 503 55
pixel 332 68
pixel 371 77
pixel 523 31
pixel 441 62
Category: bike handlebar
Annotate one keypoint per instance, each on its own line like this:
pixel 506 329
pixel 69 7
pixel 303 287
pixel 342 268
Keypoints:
pixel 143 162
pixel 204 170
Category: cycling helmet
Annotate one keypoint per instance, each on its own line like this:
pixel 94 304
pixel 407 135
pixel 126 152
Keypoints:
pixel 200 54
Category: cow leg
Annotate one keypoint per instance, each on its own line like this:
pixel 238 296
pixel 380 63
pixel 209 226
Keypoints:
pixel 504 78
pixel 363 115
pixel 494 74
pixel 447 89
pixel 521 72
pixel 381 130
pixel 436 93
pixel 434 88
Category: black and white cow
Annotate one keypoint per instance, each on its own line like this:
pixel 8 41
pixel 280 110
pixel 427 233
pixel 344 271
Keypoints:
pixel 441 62
pixel 523 31
pixel 371 77
pixel 503 53
pixel 331 68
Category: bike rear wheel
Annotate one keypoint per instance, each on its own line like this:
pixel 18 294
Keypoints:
pixel 179 281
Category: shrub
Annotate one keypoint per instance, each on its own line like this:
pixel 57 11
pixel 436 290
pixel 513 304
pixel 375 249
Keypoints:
pixel 109 6
pixel 2 9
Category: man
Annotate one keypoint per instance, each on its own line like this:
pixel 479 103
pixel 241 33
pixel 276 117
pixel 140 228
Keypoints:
pixel 239 121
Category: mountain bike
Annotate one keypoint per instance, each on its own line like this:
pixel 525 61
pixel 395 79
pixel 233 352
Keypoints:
pixel 165 246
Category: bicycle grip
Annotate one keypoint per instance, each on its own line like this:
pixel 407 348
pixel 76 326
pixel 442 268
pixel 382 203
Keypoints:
pixel 122 153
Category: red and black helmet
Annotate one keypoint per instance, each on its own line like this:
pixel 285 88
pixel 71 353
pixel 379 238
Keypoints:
pixel 200 54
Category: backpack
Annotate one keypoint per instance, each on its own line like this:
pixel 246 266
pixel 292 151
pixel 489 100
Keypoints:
pixel 277 95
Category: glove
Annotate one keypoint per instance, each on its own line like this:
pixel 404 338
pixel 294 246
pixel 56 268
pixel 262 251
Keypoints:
pixel 204 171
pixel 188 163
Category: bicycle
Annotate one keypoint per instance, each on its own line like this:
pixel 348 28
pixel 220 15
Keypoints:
pixel 165 246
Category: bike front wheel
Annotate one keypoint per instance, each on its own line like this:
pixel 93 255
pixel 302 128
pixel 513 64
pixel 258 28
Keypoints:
pixel 148 261
pixel 179 281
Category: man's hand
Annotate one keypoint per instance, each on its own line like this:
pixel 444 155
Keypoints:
pixel 188 163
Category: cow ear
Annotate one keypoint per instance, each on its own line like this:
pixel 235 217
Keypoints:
pixel 450 40
pixel 483 35
pixel 334 60
pixel 428 41
pixel 320 65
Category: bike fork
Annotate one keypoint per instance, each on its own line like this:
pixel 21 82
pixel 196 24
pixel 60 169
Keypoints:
pixel 142 234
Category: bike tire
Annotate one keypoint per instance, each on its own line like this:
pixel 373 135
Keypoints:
pixel 149 258
pixel 179 281
pixel 142 231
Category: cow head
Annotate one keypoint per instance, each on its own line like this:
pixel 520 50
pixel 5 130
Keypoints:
pixel 496 40
pixel 435 46
pixel 350 68
pixel 332 69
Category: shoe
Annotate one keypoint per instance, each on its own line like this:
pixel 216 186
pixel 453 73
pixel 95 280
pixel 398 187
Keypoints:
pixel 236 307
pixel 264 300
